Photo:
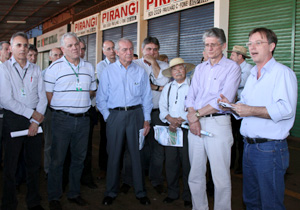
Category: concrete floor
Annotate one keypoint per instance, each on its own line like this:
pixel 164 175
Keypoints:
pixel 129 202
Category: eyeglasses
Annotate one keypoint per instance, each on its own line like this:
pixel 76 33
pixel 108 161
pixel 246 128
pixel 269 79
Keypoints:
pixel 19 45
pixel 257 43
pixel 213 45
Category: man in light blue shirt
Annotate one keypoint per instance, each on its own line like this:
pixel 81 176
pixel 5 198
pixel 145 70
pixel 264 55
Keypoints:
pixel 124 99
pixel 239 54
pixel 268 108
pixel 110 57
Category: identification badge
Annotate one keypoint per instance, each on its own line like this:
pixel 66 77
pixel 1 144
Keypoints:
pixel 23 93
pixel 78 86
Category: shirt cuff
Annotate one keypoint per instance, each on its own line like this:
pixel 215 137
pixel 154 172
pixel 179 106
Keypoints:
pixel 28 113
pixel 33 120
pixel 274 112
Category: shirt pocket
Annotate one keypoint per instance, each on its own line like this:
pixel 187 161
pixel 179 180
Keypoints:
pixel 135 88
pixel 214 86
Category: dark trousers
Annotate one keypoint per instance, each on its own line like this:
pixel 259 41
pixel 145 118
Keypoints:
pixel 32 155
pixel 152 156
pixel 157 152
pixel 87 176
pixel 238 144
pixel 120 124
pixel 176 156
pixel 102 146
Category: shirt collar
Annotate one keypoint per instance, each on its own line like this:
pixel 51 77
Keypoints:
pixel 266 68
pixel 13 62
pixel 221 62
pixel 81 61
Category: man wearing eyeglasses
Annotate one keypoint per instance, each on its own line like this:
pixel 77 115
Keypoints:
pixel 23 97
pixel 267 108
pixel 108 50
pixel 218 75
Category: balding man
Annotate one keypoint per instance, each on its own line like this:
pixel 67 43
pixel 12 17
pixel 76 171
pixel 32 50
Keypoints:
pixel 110 57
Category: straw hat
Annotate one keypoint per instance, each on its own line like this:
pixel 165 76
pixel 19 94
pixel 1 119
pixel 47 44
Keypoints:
pixel 240 50
pixel 177 61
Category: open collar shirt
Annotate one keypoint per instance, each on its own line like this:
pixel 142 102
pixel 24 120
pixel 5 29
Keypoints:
pixel 161 80
pixel 172 100
pixel 61 80
pixel 121 87
pixel 22 90
pixel 210 81
pixel 276 89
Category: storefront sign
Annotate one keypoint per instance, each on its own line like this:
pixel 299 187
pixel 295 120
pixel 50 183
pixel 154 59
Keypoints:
pixel 156 8
pixel 51 39
pixel 86 26
pixel 120 15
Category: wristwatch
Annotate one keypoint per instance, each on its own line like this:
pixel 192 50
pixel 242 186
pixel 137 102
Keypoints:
pixel 197 114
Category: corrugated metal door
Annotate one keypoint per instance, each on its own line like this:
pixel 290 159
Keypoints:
pixel 193 23
pixel 180 33
pixel 91 49
pixel 296 129
pixel 276 15
pixel 166 30
pixel 127 31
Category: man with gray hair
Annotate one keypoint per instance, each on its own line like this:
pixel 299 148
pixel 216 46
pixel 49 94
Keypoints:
pixel 125 101
pixel 69 82
pixel 5 52
pixel 23 97
pixel 218 75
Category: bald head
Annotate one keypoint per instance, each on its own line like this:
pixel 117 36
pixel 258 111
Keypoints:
pixel 55 54
pixel 108 50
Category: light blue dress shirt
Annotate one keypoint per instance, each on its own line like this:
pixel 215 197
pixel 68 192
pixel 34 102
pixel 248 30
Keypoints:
pixel 101 66
pixel 121 87
pixel 245 68
pixel 276 89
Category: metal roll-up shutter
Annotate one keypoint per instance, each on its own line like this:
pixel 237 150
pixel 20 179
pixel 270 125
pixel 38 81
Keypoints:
pixel 193 23
pixel 130 32
pixel 113 34
pixel 166 29
pixel 276 15
pixel 91 49
pixel 296 129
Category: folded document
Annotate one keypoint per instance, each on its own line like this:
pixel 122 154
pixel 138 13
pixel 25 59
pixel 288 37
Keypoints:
pixel 165 137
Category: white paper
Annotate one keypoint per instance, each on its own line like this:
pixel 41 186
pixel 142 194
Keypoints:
pixel 23 133
pixel 141 139
pixel 226 105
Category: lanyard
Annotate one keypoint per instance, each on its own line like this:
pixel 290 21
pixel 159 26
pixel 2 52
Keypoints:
pixel 20 74
pixel 74 70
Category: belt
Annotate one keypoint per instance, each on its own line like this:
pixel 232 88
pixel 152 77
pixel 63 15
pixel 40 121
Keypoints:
pixel 127 108
pixel 257 140
pixel 214 115
pixel 155 110
pixel 85 114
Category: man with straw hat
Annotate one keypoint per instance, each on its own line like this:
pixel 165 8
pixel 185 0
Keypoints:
pixel 239 54
pixel 172 111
